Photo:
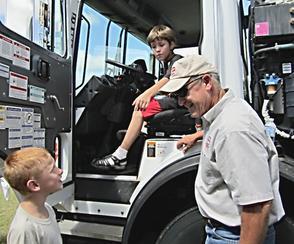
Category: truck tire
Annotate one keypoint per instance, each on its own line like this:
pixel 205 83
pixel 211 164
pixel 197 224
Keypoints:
pixel 187 227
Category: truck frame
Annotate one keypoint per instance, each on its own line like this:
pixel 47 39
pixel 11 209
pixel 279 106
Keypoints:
pixel 70 70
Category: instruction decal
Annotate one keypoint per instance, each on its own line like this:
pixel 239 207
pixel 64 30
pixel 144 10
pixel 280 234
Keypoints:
pixel 18 86
pixel 21 55
pixel 6 47
pixel 151 149
pixel 4 70
pixel 37 120
pixel 39 137
pixel 2 117
pixel 14 138
pixel 36 94
pixel 24 127
pixel 13 117
pixel 286 68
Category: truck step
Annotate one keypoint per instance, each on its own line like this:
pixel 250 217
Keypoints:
pixel 91 230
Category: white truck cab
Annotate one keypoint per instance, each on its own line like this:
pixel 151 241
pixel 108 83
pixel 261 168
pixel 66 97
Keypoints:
pixel 70 71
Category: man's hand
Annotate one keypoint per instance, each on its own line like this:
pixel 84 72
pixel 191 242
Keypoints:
pixel 254 222
pixel 186 142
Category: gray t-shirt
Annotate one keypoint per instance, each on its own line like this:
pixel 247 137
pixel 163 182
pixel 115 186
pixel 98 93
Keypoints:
pixel 239 163
pixel 27 229
pixel 167 102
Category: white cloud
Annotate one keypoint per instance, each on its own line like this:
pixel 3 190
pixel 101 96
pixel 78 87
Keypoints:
pixel 19 14
pixel 95 66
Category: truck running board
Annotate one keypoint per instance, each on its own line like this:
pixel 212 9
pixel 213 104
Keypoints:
pixel 91 230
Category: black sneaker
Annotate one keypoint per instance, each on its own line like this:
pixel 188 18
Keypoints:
pixel 109 162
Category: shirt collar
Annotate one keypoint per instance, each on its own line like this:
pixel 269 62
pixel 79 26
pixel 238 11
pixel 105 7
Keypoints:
pixel 212 113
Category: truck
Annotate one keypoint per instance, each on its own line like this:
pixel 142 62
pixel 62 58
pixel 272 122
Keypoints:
pixel 69 71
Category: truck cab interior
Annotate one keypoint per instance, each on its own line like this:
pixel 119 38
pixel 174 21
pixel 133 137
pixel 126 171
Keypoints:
pixel 106 99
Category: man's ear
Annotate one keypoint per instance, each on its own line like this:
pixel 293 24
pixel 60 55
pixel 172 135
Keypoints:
pixel 33 185
pixel 207 80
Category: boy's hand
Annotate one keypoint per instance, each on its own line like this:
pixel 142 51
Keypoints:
pixel 141 102
pixel 186 142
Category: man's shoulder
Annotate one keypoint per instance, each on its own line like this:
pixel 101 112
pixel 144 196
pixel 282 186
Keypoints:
pixel 238 115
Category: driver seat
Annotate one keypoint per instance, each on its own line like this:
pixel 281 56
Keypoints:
pixel 171 122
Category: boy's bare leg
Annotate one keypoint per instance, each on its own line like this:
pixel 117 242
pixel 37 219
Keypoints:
pixel 133 130
pixel 118 159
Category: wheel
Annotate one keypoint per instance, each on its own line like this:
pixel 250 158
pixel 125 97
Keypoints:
pixel 187 228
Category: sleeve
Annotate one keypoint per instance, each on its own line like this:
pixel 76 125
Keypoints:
pixel 242 159
pixel 168 70
pixel 22 235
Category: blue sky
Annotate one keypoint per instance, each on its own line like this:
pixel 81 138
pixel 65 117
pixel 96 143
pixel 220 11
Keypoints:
pixel 136 48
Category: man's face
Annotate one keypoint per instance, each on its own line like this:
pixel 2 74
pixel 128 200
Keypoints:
pixel 198 99
pixel 161 49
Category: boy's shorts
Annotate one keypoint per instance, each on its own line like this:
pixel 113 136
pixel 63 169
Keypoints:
pixel 152 109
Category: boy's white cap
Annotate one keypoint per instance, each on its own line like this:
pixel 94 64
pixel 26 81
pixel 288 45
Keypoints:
pixel 184 68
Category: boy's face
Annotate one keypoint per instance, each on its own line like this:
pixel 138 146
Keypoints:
pixel 50 178
pixel 162 49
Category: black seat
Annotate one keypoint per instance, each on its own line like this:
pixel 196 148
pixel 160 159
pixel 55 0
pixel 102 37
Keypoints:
pixel 102 85
pixel 171 122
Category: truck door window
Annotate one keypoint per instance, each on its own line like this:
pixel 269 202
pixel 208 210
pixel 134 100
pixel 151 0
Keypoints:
pixel 39 21
pixel 139 50
pixel 95 63
pixel 107 40
pixel 18 16
pixel 59 31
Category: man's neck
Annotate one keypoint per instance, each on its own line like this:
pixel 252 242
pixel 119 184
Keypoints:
pixel 218 96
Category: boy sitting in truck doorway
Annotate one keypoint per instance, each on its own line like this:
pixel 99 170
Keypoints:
pixel 162 41
pixel 33 173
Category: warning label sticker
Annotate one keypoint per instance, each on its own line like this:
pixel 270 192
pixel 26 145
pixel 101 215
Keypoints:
pixel 21 55
pixel 18 86
pixel 6 47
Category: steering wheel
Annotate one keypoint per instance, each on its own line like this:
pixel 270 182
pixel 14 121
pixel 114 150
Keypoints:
pixel 120 65
pixel 127 67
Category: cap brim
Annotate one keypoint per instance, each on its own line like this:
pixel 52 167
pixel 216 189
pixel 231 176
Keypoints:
pixel 174 85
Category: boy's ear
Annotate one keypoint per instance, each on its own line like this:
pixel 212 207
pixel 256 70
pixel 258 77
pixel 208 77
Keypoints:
pixel 172 45
pixel 33 185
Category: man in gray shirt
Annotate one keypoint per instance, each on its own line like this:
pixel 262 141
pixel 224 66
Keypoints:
pixel 237 183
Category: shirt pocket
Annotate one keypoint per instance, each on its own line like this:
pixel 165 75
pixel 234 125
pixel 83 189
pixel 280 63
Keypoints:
pixel 208 170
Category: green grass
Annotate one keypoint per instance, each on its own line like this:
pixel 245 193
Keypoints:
pixel 7 210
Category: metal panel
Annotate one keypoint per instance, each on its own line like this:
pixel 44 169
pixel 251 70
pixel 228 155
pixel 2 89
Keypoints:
pixel 46 70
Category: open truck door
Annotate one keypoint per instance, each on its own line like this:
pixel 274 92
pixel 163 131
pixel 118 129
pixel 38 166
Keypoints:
pixel 69 75
pixel 36 83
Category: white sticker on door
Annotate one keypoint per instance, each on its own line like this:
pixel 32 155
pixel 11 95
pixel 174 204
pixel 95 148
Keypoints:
pixel 18 86
pixel 6 47
pixel 21 55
